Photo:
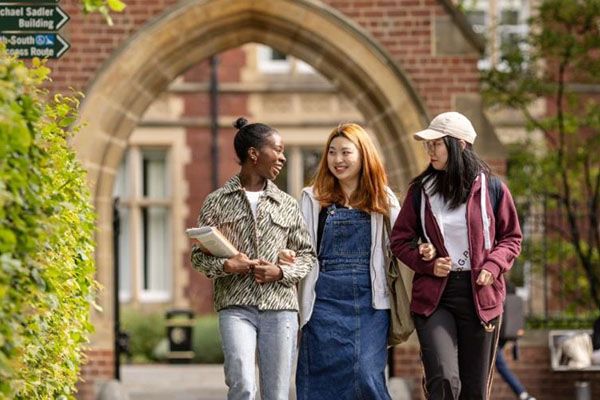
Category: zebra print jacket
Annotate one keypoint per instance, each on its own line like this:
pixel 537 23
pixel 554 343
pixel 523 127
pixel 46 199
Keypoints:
pixel 278 225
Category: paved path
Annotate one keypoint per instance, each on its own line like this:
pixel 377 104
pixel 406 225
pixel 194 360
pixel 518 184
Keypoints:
pixel 194 382
pixel 174 382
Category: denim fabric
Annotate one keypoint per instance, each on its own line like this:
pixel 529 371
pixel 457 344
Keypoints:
pixel 506 373
pixel 246 330
pixel 343 349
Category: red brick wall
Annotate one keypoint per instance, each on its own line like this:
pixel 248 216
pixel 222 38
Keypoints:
pixel 99 367
pixel 532 368
pixel 404 28
pixel 93 41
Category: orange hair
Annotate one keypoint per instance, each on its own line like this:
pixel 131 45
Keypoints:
pixel 370 194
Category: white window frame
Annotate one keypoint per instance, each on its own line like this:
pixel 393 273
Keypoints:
pixel 176 156
pixel 521 28
pixel 267 65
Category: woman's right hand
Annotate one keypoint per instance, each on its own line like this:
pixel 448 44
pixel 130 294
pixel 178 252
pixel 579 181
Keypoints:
pixel 442 266
pixel 239 264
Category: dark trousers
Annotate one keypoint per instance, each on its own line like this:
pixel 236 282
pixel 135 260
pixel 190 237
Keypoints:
pixel 456 349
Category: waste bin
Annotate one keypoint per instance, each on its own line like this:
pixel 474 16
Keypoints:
pixel 583 390
pixel 179 333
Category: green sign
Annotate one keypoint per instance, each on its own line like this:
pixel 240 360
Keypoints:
pixel 29 2
pixel 29 45
pixel 19 18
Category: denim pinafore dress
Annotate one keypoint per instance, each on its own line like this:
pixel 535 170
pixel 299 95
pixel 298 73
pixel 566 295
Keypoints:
pixel 343 348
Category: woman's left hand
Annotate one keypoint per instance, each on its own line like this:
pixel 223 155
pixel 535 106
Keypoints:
pixel 485 278
pixel 427 251
pixel 267 272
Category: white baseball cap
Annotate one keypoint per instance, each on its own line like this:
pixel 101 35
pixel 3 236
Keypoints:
pixel 448 124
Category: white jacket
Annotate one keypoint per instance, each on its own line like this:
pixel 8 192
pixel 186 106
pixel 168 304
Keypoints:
pixel 310 208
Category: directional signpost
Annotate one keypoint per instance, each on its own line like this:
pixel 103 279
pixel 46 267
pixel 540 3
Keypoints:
pixel 29 28
pixel 31 18
pixel 29 45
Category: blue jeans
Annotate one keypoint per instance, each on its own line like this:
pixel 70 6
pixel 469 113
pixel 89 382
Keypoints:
pixel 246 330
pixel 506 373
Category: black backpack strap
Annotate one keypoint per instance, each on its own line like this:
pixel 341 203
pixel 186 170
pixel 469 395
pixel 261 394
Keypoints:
pixel 495 191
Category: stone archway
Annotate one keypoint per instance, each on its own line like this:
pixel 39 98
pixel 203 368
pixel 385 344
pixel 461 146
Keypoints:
pixel 193 31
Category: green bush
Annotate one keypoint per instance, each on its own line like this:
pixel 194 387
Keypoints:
pixel 145 332
pixel 582 321
pixel 46 245
pixel 206 341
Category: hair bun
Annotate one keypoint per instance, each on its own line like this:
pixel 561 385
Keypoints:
pixel 240 123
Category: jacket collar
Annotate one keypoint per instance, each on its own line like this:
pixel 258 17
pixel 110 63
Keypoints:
pixel 235 185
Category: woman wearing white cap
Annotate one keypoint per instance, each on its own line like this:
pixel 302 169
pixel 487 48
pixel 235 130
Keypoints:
pixel 469 216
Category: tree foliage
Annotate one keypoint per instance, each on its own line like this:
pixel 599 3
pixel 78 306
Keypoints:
pixel 46 239
pixel 103 7
pixel 559 62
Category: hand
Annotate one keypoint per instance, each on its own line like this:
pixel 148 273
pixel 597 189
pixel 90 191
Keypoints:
pixel 442 266
pixel 286 257
pixel 485 278
pixel 427 251
pixel 267 272
pixel 239 264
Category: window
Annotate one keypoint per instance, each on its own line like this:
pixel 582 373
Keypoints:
pixel 274 61
pixel 302 164
pixel 502 22
pixel 477 20
pixel 310 163
pixel 145 248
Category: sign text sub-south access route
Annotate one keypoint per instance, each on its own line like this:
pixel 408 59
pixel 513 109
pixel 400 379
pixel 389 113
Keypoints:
pixel 29 45
pixel 20 18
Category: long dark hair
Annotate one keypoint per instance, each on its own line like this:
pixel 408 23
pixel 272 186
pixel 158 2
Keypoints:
pixel 249 135
pixel 454 183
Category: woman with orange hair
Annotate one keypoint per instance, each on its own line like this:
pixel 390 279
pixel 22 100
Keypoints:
pixel 344 305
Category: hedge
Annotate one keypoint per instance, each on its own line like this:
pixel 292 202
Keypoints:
pixel 46 239
pixel 145 331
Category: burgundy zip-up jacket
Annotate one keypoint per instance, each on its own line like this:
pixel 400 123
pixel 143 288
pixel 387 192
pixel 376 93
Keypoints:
pixel 505 235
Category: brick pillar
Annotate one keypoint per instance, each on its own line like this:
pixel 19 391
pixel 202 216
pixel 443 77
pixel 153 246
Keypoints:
pixel 99 367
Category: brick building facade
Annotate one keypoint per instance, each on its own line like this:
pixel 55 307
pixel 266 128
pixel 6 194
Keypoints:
pixel 397 62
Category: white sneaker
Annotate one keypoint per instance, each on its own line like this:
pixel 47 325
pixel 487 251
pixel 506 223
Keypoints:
pixel 526 396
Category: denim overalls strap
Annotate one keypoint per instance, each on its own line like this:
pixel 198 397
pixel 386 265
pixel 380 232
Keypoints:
pixel 346 240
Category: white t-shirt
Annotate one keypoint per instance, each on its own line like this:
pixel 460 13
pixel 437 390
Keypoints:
pixel 453 224
pixel 253 199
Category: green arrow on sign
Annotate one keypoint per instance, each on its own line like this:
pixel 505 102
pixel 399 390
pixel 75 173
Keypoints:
pixel 29 45
pixel 31 18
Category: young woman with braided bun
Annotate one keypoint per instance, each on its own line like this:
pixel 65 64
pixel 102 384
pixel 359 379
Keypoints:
pixel 254 294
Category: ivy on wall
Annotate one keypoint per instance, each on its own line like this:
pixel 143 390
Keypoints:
pixel 46 238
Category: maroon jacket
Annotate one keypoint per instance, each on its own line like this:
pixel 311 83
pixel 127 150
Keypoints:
pixel 505 235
